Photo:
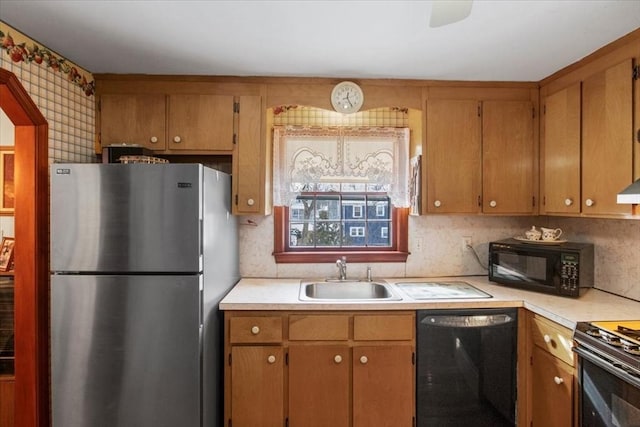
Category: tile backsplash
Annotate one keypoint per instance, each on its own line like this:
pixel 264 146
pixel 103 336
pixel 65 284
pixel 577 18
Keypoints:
pixel 435 243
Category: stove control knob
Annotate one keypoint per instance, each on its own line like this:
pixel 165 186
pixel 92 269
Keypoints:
pixel 558 380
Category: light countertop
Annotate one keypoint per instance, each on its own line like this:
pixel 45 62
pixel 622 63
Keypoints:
pixel 282 294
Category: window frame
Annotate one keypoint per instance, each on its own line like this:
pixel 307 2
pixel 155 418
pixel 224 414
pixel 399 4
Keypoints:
pixel 398 252
pixel 359 231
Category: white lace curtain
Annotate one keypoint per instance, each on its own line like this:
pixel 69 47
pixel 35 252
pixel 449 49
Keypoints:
pixel 340 159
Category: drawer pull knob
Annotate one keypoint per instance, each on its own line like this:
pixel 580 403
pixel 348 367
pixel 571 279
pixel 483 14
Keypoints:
pixel 251 202
pixel 437 203
pixel 337 358
pixel 177 139
pixel 589 202
pixel 364 360
pixel 255 330
pixel 558 380
pixel 271 359
pixel 568 202
pixel 154 139
pixel 547 338
pixel 493 203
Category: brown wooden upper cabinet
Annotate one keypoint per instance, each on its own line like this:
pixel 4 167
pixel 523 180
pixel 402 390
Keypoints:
pixel 587 149
pixel 250 159
pixel 508 157
pixel 453 156
pixel 200 122
pixel 561 152
pixel 133 119
pixel 195 123
pixel 607 139
pixel 480 156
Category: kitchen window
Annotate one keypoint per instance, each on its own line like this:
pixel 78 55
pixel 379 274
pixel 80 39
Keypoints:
pixel 340 191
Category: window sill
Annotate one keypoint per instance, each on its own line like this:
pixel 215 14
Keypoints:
pixel 332 256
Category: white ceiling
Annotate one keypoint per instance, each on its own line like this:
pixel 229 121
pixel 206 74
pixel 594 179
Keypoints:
pixel 522 40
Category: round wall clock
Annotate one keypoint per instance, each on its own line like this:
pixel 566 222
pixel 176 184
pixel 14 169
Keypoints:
pixel 347 97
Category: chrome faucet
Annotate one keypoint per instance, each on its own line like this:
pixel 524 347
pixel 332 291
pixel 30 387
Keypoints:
pixel 342 268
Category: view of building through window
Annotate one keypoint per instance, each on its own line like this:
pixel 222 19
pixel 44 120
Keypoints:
pixel 340 220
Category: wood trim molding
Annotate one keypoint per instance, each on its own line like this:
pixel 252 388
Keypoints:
pixel 31 293
pixel 398 253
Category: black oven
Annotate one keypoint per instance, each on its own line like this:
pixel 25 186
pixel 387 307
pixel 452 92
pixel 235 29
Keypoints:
pixel 561 269
pixel 608 379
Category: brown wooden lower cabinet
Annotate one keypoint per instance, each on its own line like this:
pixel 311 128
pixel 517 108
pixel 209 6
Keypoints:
pixel 383 391
pixel 320 369
pixel 7 401
pixel 319 385
pixel 552 375
pixel 257 395
pixel 552 387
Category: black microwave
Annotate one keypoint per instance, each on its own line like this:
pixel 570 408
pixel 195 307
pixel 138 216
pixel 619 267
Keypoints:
pixel 564 269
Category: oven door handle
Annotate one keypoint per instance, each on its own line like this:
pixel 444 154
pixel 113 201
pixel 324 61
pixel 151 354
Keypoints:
pixel 608 366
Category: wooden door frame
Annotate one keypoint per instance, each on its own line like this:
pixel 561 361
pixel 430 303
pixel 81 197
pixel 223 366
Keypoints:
pixel 31 294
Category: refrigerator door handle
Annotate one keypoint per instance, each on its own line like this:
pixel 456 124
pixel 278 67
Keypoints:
pixel 201 314
pixel 201 238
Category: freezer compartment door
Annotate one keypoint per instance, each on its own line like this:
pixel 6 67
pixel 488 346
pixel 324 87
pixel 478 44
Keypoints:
pixel 125 351
pixel 118 218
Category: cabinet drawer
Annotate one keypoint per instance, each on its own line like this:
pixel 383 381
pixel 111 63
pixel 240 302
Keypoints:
pixel 319 327
pixel 383 327
pixel 553 338
pixel 256 329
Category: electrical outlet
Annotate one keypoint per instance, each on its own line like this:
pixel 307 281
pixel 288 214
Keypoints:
pixel 467 241
pixel 419 244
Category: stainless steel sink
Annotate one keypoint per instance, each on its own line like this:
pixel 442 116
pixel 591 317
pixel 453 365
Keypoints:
pixel 351 290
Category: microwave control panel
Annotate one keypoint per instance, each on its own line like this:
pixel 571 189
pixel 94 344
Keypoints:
pixel 569 272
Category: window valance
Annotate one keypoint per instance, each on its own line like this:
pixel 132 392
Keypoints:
pixel 341 159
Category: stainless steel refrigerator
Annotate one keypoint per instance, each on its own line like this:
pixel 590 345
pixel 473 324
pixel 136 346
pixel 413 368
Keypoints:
pixel 141 254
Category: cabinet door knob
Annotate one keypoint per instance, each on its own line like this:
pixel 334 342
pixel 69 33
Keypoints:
pixel 364 360
pixel 337 358
pixel 547 338
pixel 568 202
pixel 558 380
pixel 153 139
pixel 437 203
pixel 589 202
pixel 177 139
pixel 251 202
pixel 255 330
pixel 493 203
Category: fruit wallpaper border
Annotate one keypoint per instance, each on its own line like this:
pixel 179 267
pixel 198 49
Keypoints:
pixel 33 53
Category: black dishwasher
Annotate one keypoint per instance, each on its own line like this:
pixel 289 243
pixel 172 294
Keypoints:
pixel 466 367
